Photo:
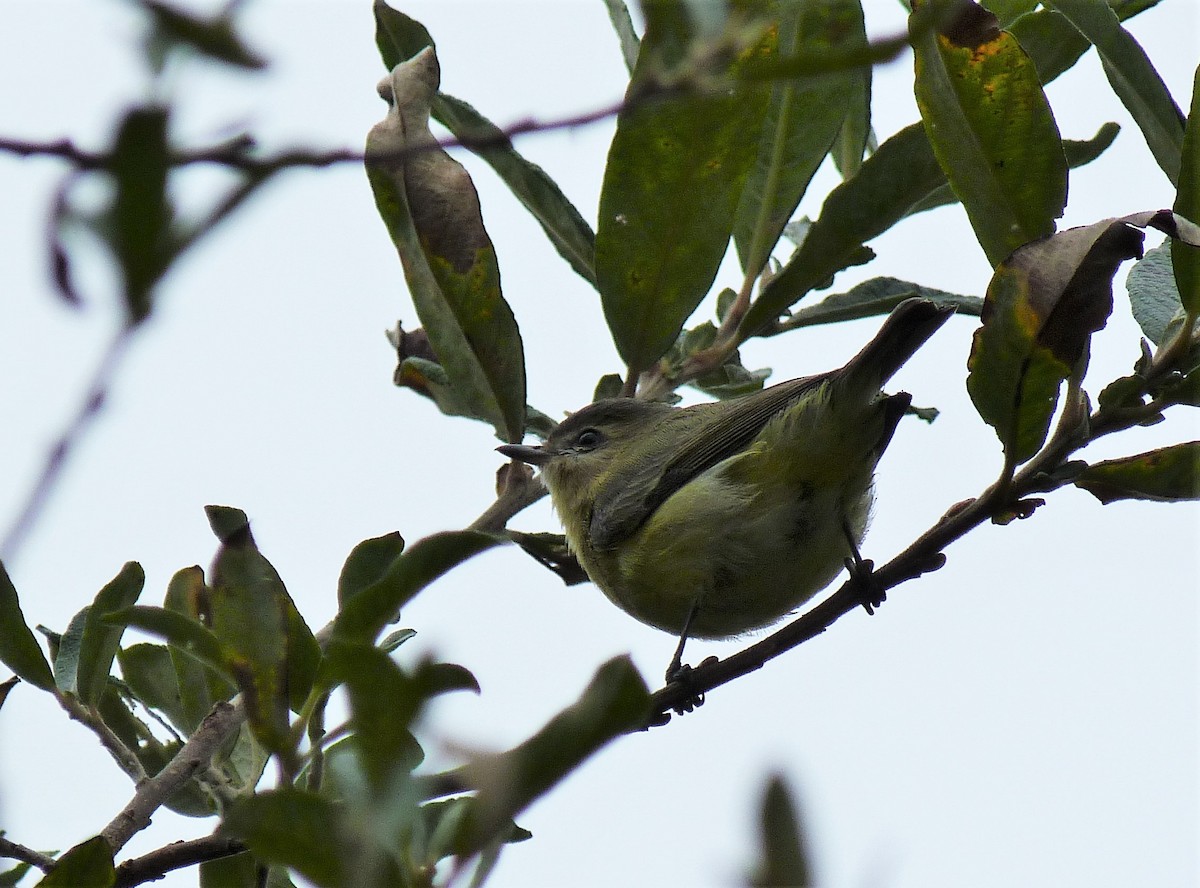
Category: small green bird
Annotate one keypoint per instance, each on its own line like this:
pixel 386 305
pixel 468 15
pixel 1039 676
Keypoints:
pixel 714 520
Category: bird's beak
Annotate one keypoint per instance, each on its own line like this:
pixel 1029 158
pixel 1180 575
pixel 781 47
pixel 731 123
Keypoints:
pixel 535 456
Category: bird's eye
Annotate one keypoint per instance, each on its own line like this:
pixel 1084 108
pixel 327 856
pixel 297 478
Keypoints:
pixel 588 439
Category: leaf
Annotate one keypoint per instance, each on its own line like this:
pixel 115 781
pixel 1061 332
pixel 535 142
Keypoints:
pixel 399 39
pixel 675 172
pixel 148 671
pixel 180 631
pixel 1186 259
pixel 550 550
pixel 250 618
pixel 1079 153
pixel 899 175
pixel 992 130
pixel 1133 78
pixel 1054 44
pixel 297 829
pixel 1042 306
pixel 785 855
pixel 200 685
pixel 100 640
pixel 66 657
pixel 363 617
pixel 5 687
pixel 214 37
pixel 383 704
pixel 1167 475
pixel 614 702
pixel 139 223
pixel 803 117
pixel 89 863
pixel 878 296
pixel 368 561
pixel 431 210
pixel 1153 294
pixel 19 650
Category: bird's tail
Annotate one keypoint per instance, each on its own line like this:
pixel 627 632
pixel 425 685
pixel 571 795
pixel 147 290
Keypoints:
pixel 906 329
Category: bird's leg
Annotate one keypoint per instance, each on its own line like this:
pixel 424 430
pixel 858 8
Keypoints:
pixel 676 667
pixel 677 671
pixel 861 572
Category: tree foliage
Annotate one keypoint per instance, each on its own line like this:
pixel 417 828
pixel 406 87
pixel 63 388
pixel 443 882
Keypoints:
pixel 725 120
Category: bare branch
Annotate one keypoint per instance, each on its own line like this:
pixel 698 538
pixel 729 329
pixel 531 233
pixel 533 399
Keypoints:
pixel 192 757
pixel 26 855
pixel 153 866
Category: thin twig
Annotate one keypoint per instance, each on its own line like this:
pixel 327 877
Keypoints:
pixel 153 866
pixel 90 719
pixel 16 851
pixel 193 756
pixel 56 459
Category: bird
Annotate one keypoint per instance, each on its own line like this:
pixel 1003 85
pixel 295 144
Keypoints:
pixel 718 519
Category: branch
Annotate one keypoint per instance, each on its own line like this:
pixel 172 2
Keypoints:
pixel 193 756
pixel 13 850
pixel 924 555
pixel 97 392
pixel 153 866
pixel 121 754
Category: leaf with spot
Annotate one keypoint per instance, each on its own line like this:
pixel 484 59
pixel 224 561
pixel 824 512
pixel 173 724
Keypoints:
pixel 676 170
pixel 1167 475
pixel 991 129
pixel 1042 306
pixel 431 211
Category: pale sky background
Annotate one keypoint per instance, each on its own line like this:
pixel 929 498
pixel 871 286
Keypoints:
pixel 1027 716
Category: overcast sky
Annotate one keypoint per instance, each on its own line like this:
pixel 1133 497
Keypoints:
pixel 1027 716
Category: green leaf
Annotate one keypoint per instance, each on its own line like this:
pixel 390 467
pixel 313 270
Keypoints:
pixel 150 674
pixel 785 855
pixel 383 704
pixel 616 701
pixel 14 874
pixel 19 650
pixel 200 685
pixel 180 631
pixel 803 118
pixel 1186 259
pixel 250 618
pixel 296 829
pixel 140 234
pixel 363 617
pixel 100 640
pixel 1170 474
pixel 399 39
pixel 875 297
pixel 1054 44
pixel 5 687
pixel 675 173
pixel 368 561
pixel 1042 306
pixel 66 658
pixel 214 37
pixel 431 210
pixel 1153 293
pixel 89 863
pixel 899 175
pixel 992 130
pixel 1079 153
pixel 1133 79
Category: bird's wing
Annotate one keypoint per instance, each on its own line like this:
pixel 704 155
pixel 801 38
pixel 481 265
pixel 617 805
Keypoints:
pixel 621 509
